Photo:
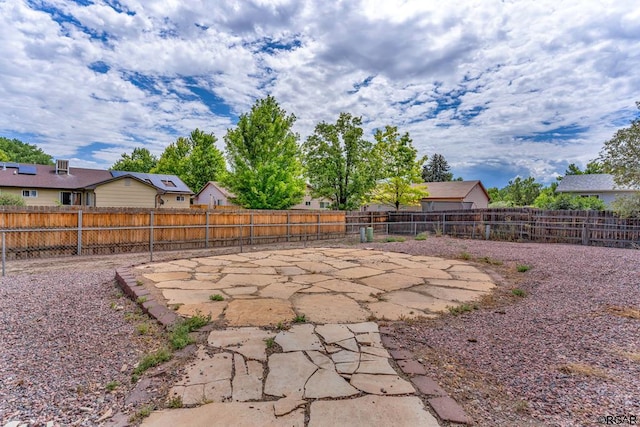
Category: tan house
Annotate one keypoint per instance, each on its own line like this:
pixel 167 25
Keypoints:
pixel 60 185
pixel 214 196
pixel 455 195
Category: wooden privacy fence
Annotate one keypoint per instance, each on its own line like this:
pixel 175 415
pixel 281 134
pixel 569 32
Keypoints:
pixel 31 233
pixel 596 228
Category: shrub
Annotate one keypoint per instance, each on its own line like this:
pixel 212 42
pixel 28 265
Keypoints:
pixel 7 199
pixel 522 268
pixel 421 236
pixel 628 206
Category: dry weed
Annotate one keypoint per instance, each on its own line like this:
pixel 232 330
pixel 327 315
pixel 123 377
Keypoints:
pixel 582 369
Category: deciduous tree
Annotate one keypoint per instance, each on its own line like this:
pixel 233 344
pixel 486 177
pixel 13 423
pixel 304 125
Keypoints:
pixel 264 158
pixel 341 165
pixel 621 154
pixel 21 152
pixel 195 160
pixel 140 160
pixel 401 170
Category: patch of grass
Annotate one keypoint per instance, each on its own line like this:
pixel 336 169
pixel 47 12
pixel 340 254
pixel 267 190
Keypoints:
pixel 421 236
pixel 523 268
pixel 151 360
pixel 635 356
pixel 271 341
pixel 175 402
pixel 143 328
pixel 216 297
pixel 582 369
pixel 465 256
pixel 489 260
pixel 139 282
pixel 519 292
pixel 141 414
pixel 282 326
pixel 135 378
pixel 628 312
pixel 394 239
pixel 179 335
pixel 463 308
pixel 112 385
pixel 141 300
pixel 300 318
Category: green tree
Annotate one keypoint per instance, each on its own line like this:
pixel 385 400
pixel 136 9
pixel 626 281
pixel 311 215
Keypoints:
pixel 522 192
pixel 627 206
pixel 436 170
pixel 21 152
pixel 264 158
pixel 401 169
pixel 621 154
pixel 140 160
pixel 341 165
pixel 593 167
pixel 7 199
pixel 195 160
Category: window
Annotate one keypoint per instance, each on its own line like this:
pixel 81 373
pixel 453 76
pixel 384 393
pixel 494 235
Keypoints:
pixel 180 198
pixel 307 203
pixel 29 193
pixel 325 205
pixel 168 183
pixel 68 198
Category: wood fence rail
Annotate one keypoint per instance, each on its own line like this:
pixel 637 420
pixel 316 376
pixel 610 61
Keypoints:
pixel 29 233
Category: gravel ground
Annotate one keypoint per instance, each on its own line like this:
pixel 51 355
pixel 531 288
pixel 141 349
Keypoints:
pixel 565 355
pixel 63 337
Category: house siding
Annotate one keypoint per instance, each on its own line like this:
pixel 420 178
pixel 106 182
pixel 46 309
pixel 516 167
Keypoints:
pixel 120 194
pixel 478 198
pixel 212 196
pixel 45 197
pixel 171 201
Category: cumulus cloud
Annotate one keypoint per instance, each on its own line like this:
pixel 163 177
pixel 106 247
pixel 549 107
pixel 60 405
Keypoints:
pixel 500 88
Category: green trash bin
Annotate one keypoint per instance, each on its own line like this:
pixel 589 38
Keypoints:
pixel 369 234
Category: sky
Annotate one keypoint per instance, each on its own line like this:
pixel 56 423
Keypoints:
pixel 500 88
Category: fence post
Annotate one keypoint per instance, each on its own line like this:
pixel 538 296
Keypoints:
pixel 206 231
pixel 487 231
pixel 318 236
pixel 151 236
pixel 4 252
pixel 444 224
pixel 585 235
pixel 250 229
pixel 79 250
pixel 242 234
pixel 288 227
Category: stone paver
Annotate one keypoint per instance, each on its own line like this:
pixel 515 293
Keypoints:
pixel 325 308
pixel 339 355
pixel 237 414
pixel 257 312
pixel 367 411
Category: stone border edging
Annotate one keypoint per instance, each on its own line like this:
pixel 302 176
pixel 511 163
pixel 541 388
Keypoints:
pixel 150 306
pixel 443 405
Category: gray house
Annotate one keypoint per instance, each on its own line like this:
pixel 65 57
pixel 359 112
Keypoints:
pixel 600 185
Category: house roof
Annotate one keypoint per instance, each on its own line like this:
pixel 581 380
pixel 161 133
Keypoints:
pixel 597 182
pixel 451 189
pixel 166 183
pixel 44 176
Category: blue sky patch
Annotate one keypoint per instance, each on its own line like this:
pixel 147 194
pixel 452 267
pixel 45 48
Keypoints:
pixel 562 133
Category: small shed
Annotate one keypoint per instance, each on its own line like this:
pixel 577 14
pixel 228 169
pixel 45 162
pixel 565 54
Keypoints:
pixel 455 195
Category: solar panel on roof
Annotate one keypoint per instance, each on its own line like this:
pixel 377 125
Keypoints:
pixel 27 169
pixel 6 165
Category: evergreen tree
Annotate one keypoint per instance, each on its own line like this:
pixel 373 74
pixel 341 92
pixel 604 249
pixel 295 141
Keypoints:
pixel 436 170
